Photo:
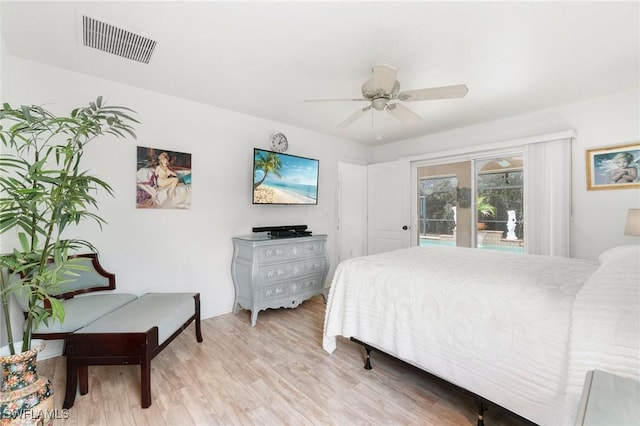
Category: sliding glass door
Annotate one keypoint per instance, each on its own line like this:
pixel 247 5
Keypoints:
pixel 473 203
pixel 500 204
pixel 444 220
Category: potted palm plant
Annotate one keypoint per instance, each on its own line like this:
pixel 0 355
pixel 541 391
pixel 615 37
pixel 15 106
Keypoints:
pixel 43 192
pixel 484 209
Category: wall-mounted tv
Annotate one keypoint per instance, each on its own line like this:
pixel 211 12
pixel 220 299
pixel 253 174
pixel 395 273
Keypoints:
pixel 284 178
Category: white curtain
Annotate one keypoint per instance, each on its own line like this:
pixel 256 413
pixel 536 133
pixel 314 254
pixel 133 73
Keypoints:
pixel 547 197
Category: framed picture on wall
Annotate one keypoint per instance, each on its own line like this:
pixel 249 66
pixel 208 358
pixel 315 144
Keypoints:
pixel 163 179
pixel 613 167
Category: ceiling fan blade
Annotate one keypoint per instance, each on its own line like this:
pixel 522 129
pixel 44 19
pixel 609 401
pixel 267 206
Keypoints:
pixel 353 117
pixel 384 77
pixel 403 113
pixel 445 92
pixel 334 99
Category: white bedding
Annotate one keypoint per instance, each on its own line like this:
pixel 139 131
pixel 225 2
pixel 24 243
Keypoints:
pixel 606 323
pixel 497 324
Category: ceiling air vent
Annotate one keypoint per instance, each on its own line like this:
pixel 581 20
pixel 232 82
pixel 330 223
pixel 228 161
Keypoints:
pixel 111 39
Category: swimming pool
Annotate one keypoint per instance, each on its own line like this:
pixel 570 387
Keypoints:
pixel 425 242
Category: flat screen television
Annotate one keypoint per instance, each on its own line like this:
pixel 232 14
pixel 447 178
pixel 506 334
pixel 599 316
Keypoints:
pixel 280 178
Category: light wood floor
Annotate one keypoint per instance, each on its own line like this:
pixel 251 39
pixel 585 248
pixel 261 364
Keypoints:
pixel 273 374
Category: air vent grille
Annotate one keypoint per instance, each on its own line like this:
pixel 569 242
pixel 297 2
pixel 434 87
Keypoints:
pixel 111 39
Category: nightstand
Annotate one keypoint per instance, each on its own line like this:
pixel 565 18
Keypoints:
pixel 609 400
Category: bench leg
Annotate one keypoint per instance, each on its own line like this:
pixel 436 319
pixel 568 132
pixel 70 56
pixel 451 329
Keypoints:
pixel 198 329
pixel 145 383
pixel 72 382
pixel 83 377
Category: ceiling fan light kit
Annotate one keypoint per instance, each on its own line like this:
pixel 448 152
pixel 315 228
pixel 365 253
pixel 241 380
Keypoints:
pixel 379 104
pixel 383 88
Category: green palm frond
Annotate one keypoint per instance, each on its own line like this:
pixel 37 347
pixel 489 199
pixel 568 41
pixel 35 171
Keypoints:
pixel 43 191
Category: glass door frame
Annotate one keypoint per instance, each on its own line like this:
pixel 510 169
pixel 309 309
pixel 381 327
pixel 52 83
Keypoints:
pixel 441 158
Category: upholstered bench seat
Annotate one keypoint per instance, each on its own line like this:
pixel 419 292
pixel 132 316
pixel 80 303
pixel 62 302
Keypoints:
pixel 83 310
pixel 167 311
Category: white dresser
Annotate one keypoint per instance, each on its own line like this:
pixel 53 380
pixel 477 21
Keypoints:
pixel 277 272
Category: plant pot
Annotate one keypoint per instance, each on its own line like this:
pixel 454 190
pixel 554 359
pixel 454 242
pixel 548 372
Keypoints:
pixel 481 226
pixel 26 399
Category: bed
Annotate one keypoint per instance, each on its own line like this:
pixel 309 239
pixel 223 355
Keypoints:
pixel 520 331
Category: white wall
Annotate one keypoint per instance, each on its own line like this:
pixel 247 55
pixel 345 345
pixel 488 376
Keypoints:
pixel 175 250
pixel 181 250
pixel 598 216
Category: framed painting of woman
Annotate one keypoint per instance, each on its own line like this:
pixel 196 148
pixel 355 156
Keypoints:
pixel 163 179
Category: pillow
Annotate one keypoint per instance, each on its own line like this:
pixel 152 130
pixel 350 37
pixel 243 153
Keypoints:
pixel 623 253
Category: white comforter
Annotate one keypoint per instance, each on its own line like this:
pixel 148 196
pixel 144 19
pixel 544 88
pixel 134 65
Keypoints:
pixel 497 324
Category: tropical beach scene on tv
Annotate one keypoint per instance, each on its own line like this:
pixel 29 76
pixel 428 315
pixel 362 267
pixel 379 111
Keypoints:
pixel 284 179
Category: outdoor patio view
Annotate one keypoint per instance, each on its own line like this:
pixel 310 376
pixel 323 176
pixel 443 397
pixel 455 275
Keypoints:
pixel 445 203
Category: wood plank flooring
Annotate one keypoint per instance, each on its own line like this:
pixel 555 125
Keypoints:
pixel 273 374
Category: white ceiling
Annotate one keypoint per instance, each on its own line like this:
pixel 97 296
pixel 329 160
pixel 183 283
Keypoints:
pixel 263 58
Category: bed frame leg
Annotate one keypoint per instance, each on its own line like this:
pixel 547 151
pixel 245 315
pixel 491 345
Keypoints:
pixel 481 409
pixel 367 358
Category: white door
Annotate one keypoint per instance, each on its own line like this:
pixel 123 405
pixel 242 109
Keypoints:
pixel 352 211
pixel 389 206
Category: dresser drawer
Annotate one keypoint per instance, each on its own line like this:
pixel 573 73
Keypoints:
pixel 272 292
pixel 290 289
pixel 310 284
pixel 268 274
pixel 292 250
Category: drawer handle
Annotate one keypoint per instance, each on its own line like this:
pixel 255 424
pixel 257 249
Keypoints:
pixel 273 273
pixel 273 291
pixel 273 252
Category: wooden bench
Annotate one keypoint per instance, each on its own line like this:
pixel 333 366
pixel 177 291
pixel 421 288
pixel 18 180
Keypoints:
pixel 132 334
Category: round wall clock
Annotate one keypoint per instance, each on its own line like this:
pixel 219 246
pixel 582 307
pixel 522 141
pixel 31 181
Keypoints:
pixel 279 142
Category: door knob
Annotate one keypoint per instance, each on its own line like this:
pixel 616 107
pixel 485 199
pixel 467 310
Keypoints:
pixel 405 227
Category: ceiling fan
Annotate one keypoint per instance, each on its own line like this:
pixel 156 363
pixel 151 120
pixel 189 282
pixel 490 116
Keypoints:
pixel 383 89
